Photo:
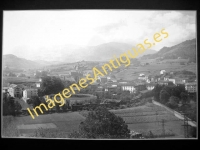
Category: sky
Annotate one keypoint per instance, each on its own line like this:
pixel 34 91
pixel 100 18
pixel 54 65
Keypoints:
pixel 39 34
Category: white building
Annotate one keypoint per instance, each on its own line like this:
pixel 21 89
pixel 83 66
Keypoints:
pixel 128 87
pixel 28 93
pixel 15 90
pixel 162 71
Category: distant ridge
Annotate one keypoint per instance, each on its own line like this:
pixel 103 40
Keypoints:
pixel 185 50
pixel 13 61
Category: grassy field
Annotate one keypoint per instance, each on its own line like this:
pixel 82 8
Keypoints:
pixel 153 69
pixel 149 118
pixel 141 119
pixel 64 122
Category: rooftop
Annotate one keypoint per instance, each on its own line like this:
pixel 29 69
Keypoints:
pixel 192 83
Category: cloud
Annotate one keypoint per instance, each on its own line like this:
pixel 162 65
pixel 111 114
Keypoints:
pixel 110 27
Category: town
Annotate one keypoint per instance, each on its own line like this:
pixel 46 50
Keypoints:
pixel 145 86
pixel 109 91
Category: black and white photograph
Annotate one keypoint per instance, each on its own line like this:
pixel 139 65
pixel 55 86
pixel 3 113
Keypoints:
pixel 99 74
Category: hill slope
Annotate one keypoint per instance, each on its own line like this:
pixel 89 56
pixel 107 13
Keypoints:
pixel 13 61
pixel 185 50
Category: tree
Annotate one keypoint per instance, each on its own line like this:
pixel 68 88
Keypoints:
pixel 164 96
pixel 184 97
pixel 156 92
pixel 18 107
pixel 102 124
pixel 173 102
pixel 35 101
pixel 176 92
pixel 51 85
pixel 8 105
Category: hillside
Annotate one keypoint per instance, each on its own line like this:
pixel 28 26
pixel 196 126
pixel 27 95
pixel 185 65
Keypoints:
pixel 13 61
pixel 185 50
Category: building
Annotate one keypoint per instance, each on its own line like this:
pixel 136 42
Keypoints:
pixel 142 77
pixel 162 71
pixel 177 81
pixel 5 89
pixel 15 90
pixel 191 87
pixel 172 80
pixel 122 81
pixel 150 86
pixel 64 76
pixel 162 82
pixel 128 87
pixel 28 93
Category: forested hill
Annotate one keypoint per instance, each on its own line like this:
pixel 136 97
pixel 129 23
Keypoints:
pixel 185 50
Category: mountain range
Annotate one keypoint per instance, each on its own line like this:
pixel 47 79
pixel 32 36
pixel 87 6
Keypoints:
pixel 103 52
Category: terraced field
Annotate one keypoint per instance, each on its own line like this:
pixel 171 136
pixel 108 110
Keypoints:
pixel 150 117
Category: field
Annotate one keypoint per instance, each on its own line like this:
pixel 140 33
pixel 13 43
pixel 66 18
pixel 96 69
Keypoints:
pixel 153 68
pixel 149 118
pixel 64 122
pixel 143 119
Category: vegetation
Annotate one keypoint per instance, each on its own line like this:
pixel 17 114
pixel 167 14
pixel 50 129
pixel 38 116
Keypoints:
pixel 9 127
pixel 173 95
pixel 10 106
pixel 102 124
pixel 50 85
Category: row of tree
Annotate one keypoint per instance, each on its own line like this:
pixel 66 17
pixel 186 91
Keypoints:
pixel 170 94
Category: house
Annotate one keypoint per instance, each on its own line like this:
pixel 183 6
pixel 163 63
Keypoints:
pixel 5 89
pixel 15 90
pixel 128 87
pixel 142 77
pixel 150 86
pixel 122 81
pixel 162 71
pixel 28 93
pixel 177 81
pixel 64 76
pixel 161 82
pixel 172 80
pixel 166 78
pixel 191 87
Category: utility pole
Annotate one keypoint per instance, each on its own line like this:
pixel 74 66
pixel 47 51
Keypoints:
pixel 157 117
pixel 163 127
pixel 185 124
